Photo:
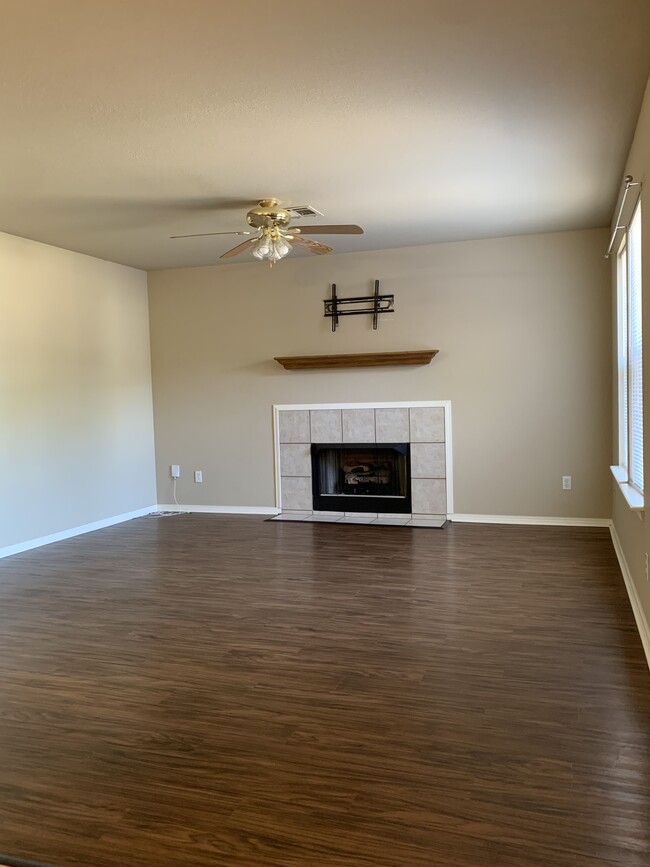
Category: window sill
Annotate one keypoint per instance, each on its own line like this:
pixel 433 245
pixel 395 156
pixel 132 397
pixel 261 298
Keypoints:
pixel 632 497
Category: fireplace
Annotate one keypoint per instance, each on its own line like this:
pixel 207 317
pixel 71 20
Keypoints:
pixel 410 478
pixel 361 477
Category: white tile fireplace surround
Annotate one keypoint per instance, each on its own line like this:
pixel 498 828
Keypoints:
pixel 424 425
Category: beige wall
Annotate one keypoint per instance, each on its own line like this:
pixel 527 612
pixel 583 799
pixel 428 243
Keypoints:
pixel 634 529
pixel 76 434
pixel 523 329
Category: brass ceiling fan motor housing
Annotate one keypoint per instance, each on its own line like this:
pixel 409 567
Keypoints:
pixel 268 214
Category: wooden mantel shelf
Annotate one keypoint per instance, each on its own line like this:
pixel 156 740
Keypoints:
pixel 363 359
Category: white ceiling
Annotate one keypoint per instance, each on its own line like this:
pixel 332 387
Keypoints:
pixel 127 121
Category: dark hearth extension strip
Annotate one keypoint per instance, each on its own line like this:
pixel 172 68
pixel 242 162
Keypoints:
pixel 9 861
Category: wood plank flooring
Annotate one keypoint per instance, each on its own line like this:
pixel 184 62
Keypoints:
pixel 207 690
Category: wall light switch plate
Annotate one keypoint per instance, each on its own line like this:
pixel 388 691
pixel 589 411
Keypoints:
pixel 175 471
pixel 198 476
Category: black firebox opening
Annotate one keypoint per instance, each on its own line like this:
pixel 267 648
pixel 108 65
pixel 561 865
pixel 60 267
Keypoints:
pixel 361 477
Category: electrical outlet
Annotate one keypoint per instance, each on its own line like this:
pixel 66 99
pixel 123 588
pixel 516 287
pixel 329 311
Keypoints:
pixel 198 476
pixel 566 483
pixel 175 471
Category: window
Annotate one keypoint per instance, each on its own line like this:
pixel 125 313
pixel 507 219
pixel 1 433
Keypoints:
pixel 629 472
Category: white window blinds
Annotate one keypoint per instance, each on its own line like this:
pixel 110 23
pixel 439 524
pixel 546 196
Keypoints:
pixel 622 359
pixel 634 351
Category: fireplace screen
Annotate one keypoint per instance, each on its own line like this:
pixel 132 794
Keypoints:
pixel 361 477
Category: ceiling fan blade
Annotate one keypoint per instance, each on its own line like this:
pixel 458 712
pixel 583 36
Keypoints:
pixel 312 246
pixel 239 248
pixel 329 230
pixel 205 234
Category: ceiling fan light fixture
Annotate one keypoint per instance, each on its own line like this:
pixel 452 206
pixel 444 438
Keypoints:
pixel 271 245
pixel 282 247
pixel 262 248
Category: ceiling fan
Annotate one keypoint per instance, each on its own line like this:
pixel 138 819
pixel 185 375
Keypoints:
pixel 273 238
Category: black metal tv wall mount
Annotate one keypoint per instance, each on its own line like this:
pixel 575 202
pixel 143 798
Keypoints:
pixel 359 305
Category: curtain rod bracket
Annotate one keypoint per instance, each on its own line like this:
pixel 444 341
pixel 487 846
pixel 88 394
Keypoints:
pixel 629 183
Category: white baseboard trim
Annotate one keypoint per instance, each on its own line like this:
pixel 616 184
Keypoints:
pixel 9 550
pixel 635 602
pixel 532 520
pixel 219 510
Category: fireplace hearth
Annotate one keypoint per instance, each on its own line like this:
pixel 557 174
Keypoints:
pixel 361 477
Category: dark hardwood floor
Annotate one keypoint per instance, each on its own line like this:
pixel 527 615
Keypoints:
pixel 205 690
